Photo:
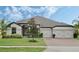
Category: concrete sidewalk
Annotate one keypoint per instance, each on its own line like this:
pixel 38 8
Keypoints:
pixel 62 49
pixel 23 46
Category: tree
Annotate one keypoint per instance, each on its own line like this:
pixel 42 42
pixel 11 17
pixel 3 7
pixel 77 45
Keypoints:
pixel 76 26
pixel 33 30
pixel 3 26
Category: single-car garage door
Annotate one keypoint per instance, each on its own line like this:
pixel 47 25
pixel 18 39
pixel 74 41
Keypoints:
pixel 46 32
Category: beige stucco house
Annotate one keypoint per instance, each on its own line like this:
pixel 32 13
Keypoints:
pixel 46 26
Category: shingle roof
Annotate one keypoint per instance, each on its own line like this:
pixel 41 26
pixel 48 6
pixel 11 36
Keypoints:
pixel 44 22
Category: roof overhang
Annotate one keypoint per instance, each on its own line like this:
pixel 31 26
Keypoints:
pixel 13 23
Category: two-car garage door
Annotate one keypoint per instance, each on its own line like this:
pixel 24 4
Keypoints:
pixel 63 32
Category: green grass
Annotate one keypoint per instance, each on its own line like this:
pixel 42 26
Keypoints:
pixel 78 37
pixel 21 49
pixel 21 42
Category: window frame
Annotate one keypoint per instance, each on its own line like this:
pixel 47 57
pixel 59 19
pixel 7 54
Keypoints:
pixel 13 30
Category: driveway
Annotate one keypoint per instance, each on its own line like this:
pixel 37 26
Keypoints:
pixel 62 45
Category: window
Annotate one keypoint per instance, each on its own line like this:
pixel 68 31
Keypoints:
pixel 13 30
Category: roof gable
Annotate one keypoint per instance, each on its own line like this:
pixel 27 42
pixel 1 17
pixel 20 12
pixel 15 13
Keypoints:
pixel 12 23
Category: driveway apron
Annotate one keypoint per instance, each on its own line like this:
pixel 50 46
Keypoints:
pixel 62 45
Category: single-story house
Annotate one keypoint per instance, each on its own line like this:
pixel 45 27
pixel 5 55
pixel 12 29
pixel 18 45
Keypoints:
pixel 46 26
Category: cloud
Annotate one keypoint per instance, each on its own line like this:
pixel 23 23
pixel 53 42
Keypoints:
pixel 14 13
pixel 51 11
pixel 46 11
pixel 24 8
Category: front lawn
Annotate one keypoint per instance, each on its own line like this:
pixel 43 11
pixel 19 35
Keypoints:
pixel 21 49
pixel 21 42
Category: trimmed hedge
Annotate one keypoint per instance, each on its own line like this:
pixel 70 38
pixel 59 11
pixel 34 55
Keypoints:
pixel 13 36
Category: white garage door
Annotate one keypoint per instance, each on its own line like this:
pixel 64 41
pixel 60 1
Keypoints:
pixel 63 32
pixel 46 32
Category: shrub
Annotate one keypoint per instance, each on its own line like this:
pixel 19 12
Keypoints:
pixel 33 35
pixel 32 40
pixel 16 36
pixel 41 35
pixel 7 36
pixel 13 36
pixel 75 35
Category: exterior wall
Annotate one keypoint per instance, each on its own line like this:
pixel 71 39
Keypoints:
pixel 63 32
pixel 60 32
pixel 9 31
pixel 18 29
pixel 46 32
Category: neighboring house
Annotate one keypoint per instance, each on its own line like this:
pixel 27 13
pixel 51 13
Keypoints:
pixel 47 27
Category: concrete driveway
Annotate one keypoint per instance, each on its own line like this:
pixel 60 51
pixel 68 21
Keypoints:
pixel 62 45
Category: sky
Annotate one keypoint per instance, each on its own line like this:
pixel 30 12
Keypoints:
pixel 64 14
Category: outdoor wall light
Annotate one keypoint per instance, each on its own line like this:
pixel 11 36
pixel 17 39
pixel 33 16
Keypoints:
pixel 38 26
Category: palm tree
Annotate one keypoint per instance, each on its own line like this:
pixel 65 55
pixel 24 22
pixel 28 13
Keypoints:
pixel 3 26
